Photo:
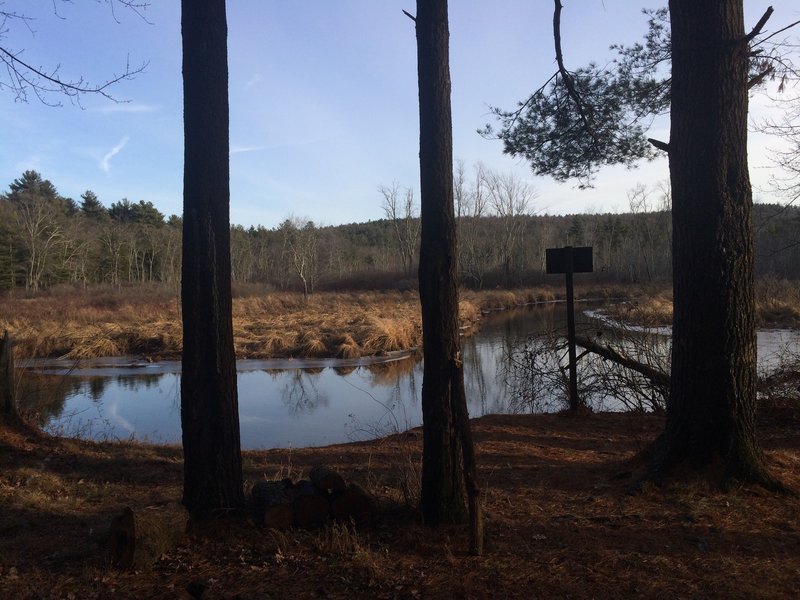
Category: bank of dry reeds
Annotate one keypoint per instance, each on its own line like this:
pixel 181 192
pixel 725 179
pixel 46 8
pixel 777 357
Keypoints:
pixel 89 324
pixel 778 302
pixel 146 321
pixel 777 305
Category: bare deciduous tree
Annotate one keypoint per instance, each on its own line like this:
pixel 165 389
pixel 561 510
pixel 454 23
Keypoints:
pixel 510 199
pixel 300 239
pixel 474 248
pixel 398 206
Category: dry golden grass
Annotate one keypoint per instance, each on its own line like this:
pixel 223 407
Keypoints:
pixel 347 325
pixel 648 311
pixel 347 347
pixel 778 302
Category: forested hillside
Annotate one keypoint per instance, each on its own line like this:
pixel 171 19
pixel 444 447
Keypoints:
pixel 49 240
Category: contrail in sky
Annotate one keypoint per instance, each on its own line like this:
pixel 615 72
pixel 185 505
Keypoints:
pixel 105 163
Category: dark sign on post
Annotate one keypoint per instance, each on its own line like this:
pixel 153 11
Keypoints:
pixel 556 259
pixel 570 260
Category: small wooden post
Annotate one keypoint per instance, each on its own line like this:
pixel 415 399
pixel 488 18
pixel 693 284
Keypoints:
pixel 8 388
pixel 569 260
pixel 574 402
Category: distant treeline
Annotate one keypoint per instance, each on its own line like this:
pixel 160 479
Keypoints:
pixel 48 240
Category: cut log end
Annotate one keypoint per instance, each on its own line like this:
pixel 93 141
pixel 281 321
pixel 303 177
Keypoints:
pixel 138 539
pixel 326 479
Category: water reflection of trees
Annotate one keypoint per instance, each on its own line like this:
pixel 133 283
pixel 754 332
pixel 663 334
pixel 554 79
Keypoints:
pixel 301 393
pixel 96 386
pixel 42 397
pixel 389 373
pixel 486 356
pixel 139 381
pixel 536 372
pixel 344 371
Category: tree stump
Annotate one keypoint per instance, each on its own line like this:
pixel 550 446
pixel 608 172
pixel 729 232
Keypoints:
pixel 137 540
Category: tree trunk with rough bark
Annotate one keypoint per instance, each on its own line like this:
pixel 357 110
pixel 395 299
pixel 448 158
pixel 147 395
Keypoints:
pixel 209 403
pixel 448 461
pixel 9 412
pixel 711 408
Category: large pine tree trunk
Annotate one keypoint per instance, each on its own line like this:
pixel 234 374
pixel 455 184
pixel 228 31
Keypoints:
pixel 710 412
pixel 443 398
pixel 209 404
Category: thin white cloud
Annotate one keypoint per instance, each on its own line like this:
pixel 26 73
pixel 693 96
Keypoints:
pixel 255 79
pixel 243 149
pixel 125 107
pixel 33 162
pixel 105 162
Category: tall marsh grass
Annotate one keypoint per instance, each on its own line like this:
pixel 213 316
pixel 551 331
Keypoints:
pixel 102 322
pixel 778 302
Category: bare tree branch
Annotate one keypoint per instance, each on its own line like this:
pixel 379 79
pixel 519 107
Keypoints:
pixel 23 78
pixel 759 26
pixel 772 35
pixel 659 144
pixel 569 82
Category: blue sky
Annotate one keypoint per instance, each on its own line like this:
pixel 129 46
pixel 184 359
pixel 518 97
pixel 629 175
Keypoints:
pixel 323 100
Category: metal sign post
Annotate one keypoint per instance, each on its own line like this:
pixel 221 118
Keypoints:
pixel 570 260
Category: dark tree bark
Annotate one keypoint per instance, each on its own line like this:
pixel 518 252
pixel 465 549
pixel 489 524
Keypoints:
pixel 447 443
pixel 209 403
pixel 711 408
pixel 9 412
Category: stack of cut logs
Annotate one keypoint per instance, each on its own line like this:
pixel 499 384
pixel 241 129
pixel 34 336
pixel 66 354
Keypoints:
pixel 310 502
pixel 137 540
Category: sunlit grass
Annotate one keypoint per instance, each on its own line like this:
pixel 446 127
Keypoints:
pixel 147 321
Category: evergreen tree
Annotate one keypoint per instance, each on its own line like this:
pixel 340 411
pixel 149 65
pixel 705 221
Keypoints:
pixel 91 207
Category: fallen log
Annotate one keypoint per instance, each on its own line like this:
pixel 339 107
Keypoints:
pixel 353 503
pixel 137 540
pixel 657 378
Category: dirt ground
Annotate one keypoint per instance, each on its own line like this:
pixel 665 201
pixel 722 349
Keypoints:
pixel 560 521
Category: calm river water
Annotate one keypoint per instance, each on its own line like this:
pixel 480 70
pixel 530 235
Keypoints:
pixel 294 403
